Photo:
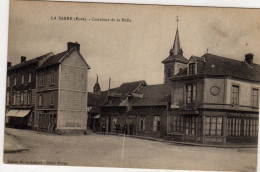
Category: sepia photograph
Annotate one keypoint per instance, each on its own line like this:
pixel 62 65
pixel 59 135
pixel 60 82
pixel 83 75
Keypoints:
pixel 132 86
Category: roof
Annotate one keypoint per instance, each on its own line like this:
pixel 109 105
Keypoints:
pixel 221 66
pixel 128 88
pixel 175 58
pixel 58 58
pixel 216 65
pixel 28 62
pixel 153 95
pixel 53 60
pixel 93 99
pixel 118 95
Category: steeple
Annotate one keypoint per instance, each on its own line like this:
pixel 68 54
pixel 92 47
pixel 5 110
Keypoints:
pixel 176 49
pixel 96 88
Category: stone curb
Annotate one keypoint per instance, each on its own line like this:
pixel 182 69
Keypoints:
pixel 184 143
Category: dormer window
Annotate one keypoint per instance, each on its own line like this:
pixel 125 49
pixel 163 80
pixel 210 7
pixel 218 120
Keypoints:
pixel 191 68
pixel 169 72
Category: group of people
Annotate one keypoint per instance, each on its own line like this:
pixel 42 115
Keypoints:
pixel 117 128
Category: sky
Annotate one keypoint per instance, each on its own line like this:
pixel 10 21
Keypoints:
pixel 130 51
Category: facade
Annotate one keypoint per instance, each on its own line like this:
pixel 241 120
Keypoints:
pixel 21 92
pixel 215 99
pixel 61 87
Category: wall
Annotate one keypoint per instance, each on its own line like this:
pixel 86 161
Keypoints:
pixel 72 110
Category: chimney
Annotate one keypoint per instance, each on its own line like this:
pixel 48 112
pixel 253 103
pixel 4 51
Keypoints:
pixel 249 58
pixel 9 64
pixel 23 59
pixel 71 45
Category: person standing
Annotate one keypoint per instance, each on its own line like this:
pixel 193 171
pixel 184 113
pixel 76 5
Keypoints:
pixel 103 129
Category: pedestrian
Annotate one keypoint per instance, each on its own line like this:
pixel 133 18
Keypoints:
pixel 125 128
pixel 103 129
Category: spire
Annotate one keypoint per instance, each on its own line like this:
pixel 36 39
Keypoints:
pixel 176 49
pixel 97 88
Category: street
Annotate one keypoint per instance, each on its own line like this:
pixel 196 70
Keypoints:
pixel 116 151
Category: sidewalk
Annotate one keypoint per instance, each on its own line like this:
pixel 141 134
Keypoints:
pixel 12 145
pixel 228 145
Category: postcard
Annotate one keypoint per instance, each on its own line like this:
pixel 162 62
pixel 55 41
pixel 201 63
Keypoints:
pixel 132 86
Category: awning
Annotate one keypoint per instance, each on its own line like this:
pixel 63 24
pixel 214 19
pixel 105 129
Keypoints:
pixel 97 116
pixel 12 112
pixel 18 113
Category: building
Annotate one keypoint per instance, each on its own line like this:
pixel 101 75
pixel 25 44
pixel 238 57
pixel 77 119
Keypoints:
pixel 61 88
pixel 21 91
pixel 215 99
pixel 116 108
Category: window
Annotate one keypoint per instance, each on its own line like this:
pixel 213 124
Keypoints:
pixel 25 97
pixel 8 81
pixel 40 100
pixel 14 80
pixel 30 77
pixel 22 78
pixel 7 98
pixel 52 77
pixel 255 97
pixel 250 127
pixel 235 95
pixel 14 102
pixel 169 72
pixel 18 97
pixel 177 123
pixel 192 68
pixel 191 93
pixel 51 99
pixel 190 125
pixel 142 123
pixel 21 98
pixel 29 97
pixel 234 126
pixel 41 78
pixel 213 126
pixel 156 123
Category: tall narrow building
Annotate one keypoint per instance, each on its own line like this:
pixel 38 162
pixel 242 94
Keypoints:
pixel 175 61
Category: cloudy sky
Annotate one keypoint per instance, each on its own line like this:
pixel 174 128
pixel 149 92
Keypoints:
pixel 130 51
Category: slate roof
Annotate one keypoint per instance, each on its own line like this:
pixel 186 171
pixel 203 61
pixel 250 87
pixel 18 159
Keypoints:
pixel 221 66
pixel 153 95
pixel 216 65
pixel 53 60
pixel 28 62
pixel 127 88
pixel 175 58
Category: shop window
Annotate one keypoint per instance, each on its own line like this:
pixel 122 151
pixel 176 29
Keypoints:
pixel 213 126
pixel 255 97
pixel 178 123
pixel 250 127
pixel 235 95
pixel 156 123
pixel 190 125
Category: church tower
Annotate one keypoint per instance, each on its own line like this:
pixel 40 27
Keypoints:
pixel 175 62
pixel 96 88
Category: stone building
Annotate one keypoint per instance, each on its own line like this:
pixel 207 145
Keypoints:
pixel 21 91
pixel 61 87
